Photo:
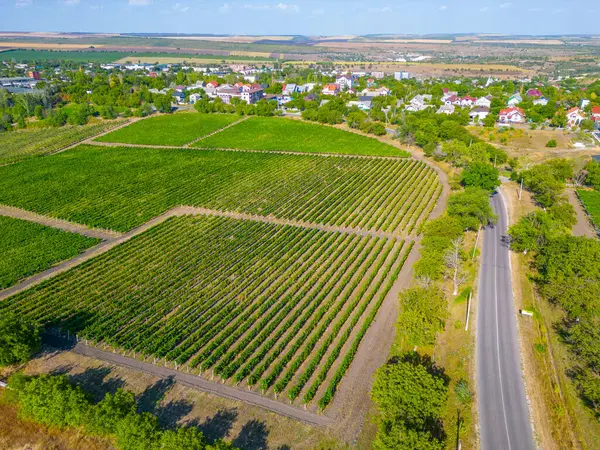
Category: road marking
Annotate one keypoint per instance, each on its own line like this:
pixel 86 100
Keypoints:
pixel 498 341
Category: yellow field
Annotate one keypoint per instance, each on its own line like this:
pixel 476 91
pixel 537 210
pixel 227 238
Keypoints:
pixel 234 39
pixel 40 46
pixel 255 54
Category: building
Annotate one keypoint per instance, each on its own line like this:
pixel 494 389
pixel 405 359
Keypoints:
pixel 376 92
pixel 467 101
pixel 345 82
pixel 178 97
pixel 513 114
pixel 543 101
pixel 446 109
pixel 421 99
pixel 252 93
pixel 34 74
pixel 365 102
pixel 331 89
pixel 484 101
pixel 534 93
pixel 595 113
pixel 402 76
pixel 479 113
pixel 514 99
pixel 289 89
pixel 575 117
pixel 378 75
pixel 193 98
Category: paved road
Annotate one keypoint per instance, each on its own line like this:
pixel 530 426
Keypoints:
pixel 503 412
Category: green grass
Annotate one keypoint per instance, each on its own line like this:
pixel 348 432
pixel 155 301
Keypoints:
pixel 28 248
pixel 23 144
pixel 120 188
pixel 591 201
pixel 173 129
pixel 264 133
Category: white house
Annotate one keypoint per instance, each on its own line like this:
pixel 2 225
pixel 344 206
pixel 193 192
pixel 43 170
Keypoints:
pixel 514 99
pixel 575 116
pixel 484 101
pixel 345 82
pixel 378 75
pixel 420 100
pixel 331 89
pixel 479 113
pixel 289 89
pixel 446 109
pixel 402 76
pixel 193 98
pixel 541 101
pixel 467 101
pixel 513 114
pixel 377 92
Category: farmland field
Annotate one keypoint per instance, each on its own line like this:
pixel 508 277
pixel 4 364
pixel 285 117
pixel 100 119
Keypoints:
pixel 591 201
pixel 28 248
pixel 175 129
pixel 280 308
pixel 22 144
pixel 120 188
pixel 264 133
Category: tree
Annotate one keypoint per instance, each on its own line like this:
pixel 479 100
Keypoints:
pixel 472 208
pixel 184 438
pixel 137 432
pixel 19 339
pixel 533 231
pixel 593 174
pixel 423 314
pixel 559 120
pixel 481 175
pixel 453 258
pixel 542 181
pixel 110 411
pixel 162 103
pixel 394 435
pixel 80 114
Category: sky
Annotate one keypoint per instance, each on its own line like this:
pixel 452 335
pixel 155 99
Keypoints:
pixel 304 17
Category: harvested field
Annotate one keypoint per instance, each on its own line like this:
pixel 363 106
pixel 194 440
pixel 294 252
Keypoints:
pixel 120 188
pixel 265 133
pixel 28 248
pixel 173 129
pixel 280 307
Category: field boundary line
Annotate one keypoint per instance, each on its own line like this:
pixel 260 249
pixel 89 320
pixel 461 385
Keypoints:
pixel 191 210
pixel 217 131
pixel 72 227
pixel 211 387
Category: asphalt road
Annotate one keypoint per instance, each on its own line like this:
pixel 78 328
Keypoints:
pixel 503 412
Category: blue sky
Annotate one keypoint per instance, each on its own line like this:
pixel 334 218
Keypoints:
pixel 307 17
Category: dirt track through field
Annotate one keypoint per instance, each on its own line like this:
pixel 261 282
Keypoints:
pixel 583 226
pixel 216 132
pixel 72 227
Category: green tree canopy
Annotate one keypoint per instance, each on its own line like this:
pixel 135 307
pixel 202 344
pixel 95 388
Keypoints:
pixel 471 207
pixel 19 339
pixel 481 175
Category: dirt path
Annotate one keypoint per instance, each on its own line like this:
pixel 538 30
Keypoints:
pixel 185 210
pixel 72 227
pixel 211 387
pixel 583 226
pixel 189 144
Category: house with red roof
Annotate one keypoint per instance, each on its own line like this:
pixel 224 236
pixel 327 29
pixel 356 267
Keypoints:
pixel 331 89
pixel 575 116
pixel 595 112
pixel 514 114
pixel 467 101
pixel 213 84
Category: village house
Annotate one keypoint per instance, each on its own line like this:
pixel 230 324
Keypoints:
pixel 514 99
pixel 252 93
pixel 513 114
pixel 543 101
pixel 467 101
pixel 534 93
pixel 421 99
pixel 289 89
pixel 575 117
pixel 345 82
pixel 479 113
pixel 378 75
pixel 193 98
pixel 376 92
pixel 484 101
pixel 331 89
pixel 446 109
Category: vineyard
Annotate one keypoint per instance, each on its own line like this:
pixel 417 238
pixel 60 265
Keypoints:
pixel 28 248
pixel 120 188
pixel 267 133
pixel 591 202
pixel 174 129
pixel 22 144
pixel 278 308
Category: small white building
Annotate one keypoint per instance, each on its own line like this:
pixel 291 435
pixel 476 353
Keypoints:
pixel 446 109
pixel 479 113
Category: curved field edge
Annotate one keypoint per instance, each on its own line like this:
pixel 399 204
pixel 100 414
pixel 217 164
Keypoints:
pixel 284 134
pixel 591 204
pixel 175 129
pixel 230 297
pixel 28 248
pixel 120 188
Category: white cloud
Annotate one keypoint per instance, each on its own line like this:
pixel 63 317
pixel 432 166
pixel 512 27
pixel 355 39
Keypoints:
pixel 23 3
pixel 139 2
pixel 256 7
pixel 287 7
pixel 71 2
pixel 443 7
pixel 178 7
pixel 225 8
pixel 505 5
pixel 383 9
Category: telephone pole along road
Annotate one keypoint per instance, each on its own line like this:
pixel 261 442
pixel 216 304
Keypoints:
pixel 503 412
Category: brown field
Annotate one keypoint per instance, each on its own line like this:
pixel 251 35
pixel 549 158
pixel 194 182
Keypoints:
pixel 179 59
pixel 413 41
pixel 42 46
pixel 233 39
pixel 521 41
pixel 256 54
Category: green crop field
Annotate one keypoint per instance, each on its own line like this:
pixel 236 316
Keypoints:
pixel 22 144
pixel 174 129
pixel 28 248
pixel 120 188
pixel 591 201
pixel 265 133
pixel 279 307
